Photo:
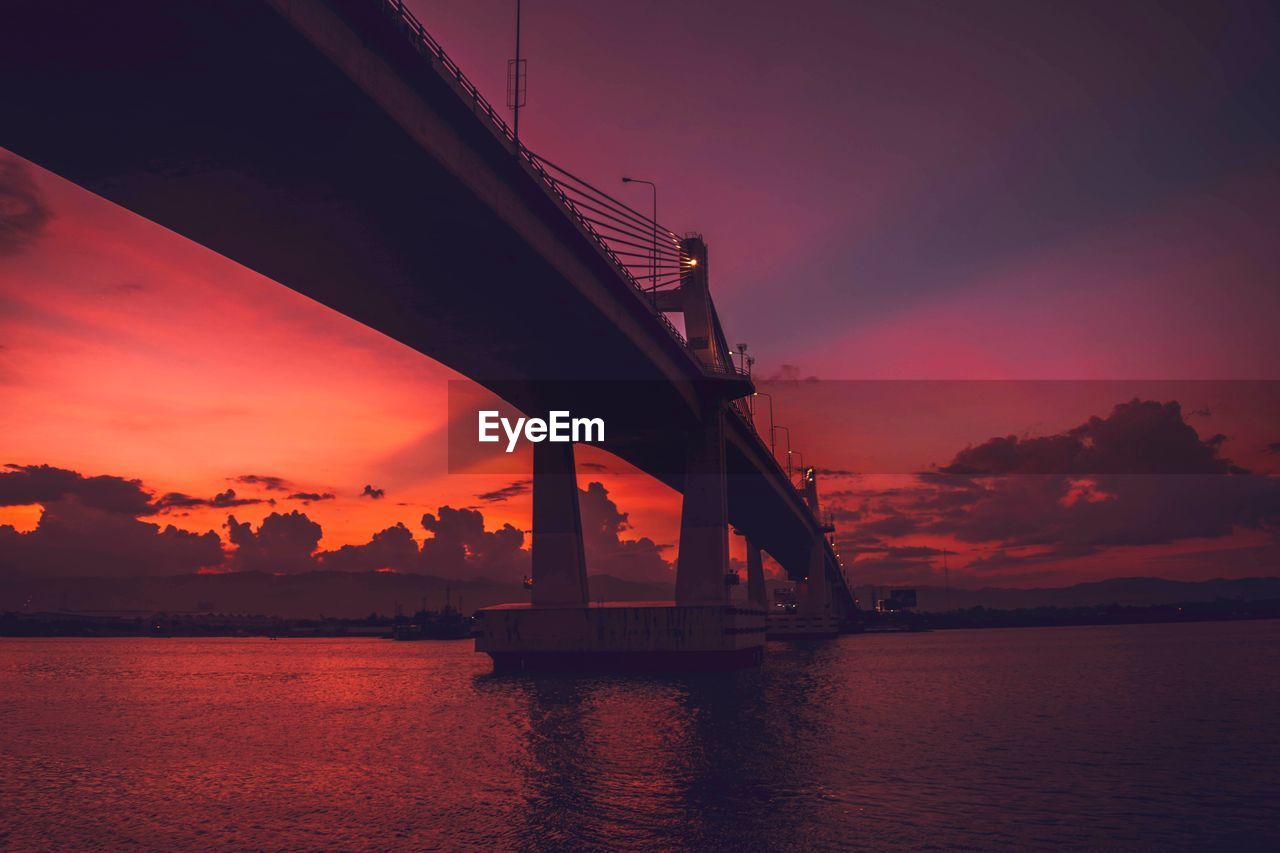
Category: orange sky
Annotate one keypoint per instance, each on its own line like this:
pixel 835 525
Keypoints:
pixel 1049 196
pixel 133 352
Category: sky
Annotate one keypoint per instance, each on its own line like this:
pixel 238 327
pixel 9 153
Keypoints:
pixel 891 192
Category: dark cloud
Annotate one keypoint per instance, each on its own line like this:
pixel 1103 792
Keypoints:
pixel 844 514
pixel 607 551
pixel 91 526
pixel 391 549
pixel 23 212
pixel 284 543
pixel 511 490
pixel 1140 476
pixel 76 538
pixel 311 497
pixel 893 524
pixel 1273 447
pixel 1138 437
pixel 222 500
pixel 787 373
pixel 371 492
pixel 44 484
pixel 461 547
pixel 271 484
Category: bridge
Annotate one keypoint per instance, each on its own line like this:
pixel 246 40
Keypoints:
pixel 333 146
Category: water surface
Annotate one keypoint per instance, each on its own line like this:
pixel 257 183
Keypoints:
pixel 1152 736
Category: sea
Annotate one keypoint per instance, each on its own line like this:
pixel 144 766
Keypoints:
pixel 1119 737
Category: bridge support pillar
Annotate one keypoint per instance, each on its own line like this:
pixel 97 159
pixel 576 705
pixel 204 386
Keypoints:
pixel 817 589
pixel 755 576
pixel 703 558
pixel 559 564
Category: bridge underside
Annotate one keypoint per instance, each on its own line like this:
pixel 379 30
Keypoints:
pixel 313 143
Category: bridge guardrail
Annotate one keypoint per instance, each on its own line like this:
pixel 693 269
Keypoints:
pixel 485 111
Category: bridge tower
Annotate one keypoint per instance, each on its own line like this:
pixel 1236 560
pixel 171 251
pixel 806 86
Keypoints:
pixel 693 300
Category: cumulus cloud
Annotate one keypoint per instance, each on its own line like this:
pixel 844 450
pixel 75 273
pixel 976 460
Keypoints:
pixel 94 526
pixel 284 543
pixel 459 546
pixel 76 538
pixel 1138 437
pixel 44 484
pixel 607 551
pixel 23 212
pixel 1138 476
pixel 392 549
pixel 371 492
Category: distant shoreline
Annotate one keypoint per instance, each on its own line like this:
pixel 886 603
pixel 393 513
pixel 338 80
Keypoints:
pixel 101 625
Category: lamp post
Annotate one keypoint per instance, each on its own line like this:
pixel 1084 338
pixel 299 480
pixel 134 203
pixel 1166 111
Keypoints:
pixel 788 432
pixel 768 397
pixel 801 455
pixel 515 87
pixel 653 187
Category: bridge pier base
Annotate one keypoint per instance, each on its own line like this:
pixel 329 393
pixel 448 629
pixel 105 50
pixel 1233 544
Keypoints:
pixel 814 617
pixel 755 576
pixel 561 630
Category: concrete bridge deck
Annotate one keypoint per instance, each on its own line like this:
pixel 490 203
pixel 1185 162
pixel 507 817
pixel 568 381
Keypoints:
pixel 318 143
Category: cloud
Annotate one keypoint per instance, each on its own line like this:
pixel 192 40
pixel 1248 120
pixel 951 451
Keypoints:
pixel 75 538
pixel 44 484
pixel 311 497
pixel 511 490
pixel 1138 437
pixel 606 550
pixel 1139 476
pixel 271 484
pixel 787 373
pixel 393 548
pixel 461 547
pixel 283 544
pixel 23 212
pixel 222 500
pixel 371 492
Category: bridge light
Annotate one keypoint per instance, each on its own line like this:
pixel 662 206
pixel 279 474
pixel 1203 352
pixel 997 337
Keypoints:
pixel 693 262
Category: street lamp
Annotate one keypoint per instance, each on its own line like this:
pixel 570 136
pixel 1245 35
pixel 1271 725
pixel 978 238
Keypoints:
pixel 742 357
pixel 653 187
pixel 788 432
pixel 768 397
pixel 516 83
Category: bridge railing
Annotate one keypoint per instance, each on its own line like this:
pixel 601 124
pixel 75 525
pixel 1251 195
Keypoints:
pixel 588 211
pixel 577 212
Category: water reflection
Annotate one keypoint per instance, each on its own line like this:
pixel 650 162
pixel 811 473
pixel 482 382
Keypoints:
pixel 1150 736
